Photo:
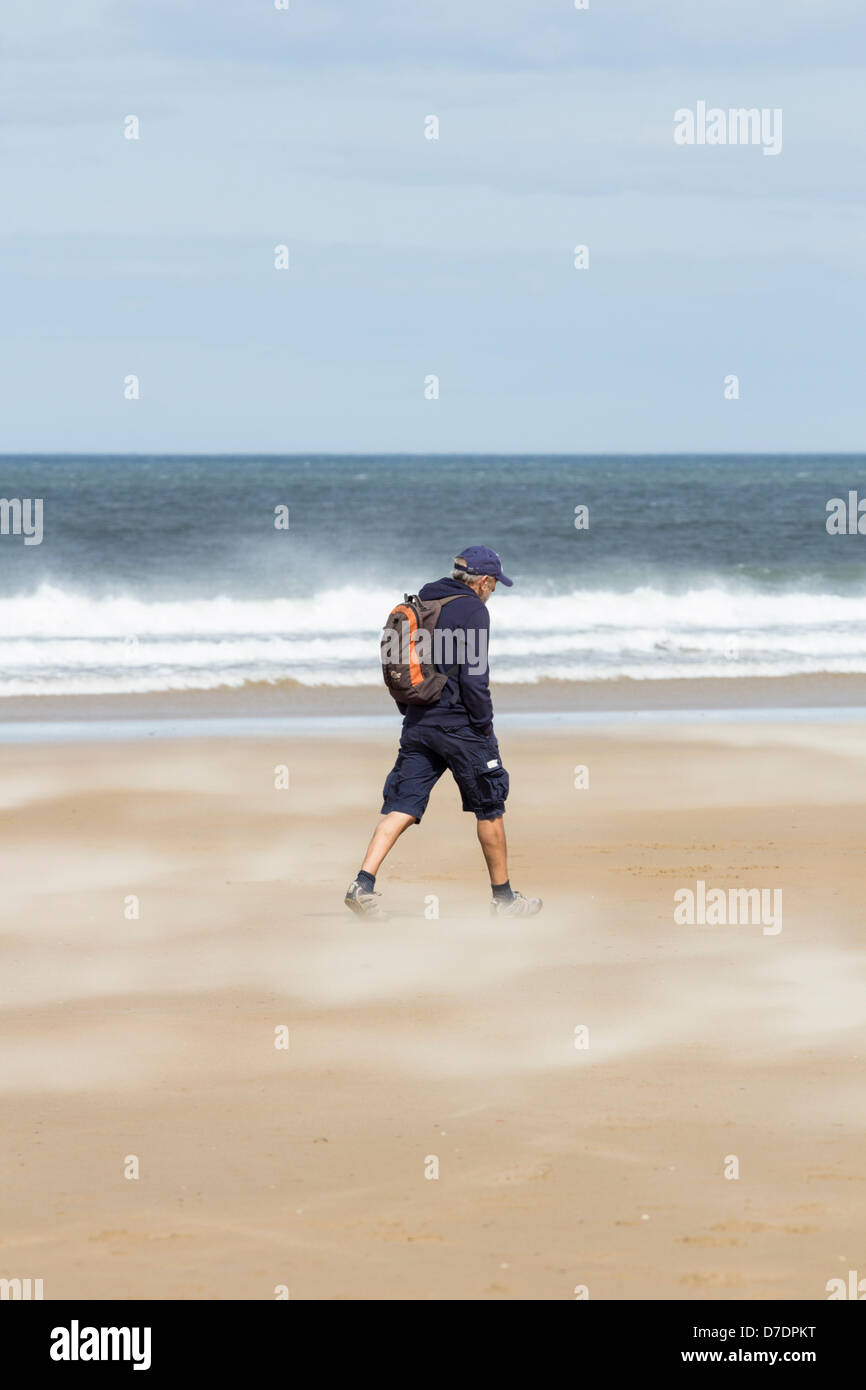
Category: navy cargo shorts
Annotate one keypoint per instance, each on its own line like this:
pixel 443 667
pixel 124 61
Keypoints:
pixel 426 752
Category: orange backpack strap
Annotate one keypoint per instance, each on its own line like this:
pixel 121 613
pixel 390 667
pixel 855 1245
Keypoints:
pixel 416 675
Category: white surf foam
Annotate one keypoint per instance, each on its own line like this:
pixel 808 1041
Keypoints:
pixel 60 642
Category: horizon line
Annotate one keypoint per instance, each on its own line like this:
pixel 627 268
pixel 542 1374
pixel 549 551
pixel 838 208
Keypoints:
pixel 454 453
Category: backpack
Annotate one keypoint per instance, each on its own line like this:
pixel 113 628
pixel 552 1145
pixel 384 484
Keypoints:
pixel 407 651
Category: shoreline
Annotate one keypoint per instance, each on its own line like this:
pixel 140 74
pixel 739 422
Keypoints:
pixel 544 701
pixel 600 722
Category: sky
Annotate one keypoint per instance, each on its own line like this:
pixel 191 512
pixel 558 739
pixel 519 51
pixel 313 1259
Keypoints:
pixel 410 257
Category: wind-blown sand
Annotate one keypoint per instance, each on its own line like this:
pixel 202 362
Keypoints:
pixel 420 1037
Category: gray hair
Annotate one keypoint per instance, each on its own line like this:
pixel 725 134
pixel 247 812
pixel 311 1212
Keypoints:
pixel 467 579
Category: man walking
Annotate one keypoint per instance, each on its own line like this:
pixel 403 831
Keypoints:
pixel 455 733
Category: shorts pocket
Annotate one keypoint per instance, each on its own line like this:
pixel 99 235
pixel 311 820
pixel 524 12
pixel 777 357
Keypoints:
pixel 493 786
pixel 391 789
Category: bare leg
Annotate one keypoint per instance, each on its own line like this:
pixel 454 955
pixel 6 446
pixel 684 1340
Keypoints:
pixel 384 838
pixel 491 837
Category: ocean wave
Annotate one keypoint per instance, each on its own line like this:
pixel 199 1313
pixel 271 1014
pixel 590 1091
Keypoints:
pixel 50 612
pixel 61 642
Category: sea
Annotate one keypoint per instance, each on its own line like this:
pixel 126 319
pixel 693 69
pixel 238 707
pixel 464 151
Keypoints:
pixel 193 573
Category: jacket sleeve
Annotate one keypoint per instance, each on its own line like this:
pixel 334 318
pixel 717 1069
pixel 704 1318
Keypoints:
pixel 474 674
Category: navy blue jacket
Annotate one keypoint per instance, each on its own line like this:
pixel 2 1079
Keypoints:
pixel 466 696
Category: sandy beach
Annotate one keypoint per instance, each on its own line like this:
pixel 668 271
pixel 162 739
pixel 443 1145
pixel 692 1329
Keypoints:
pixel 449 1037
pixel 495 359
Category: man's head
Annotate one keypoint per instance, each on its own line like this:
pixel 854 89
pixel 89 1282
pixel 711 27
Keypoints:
pixel 480 569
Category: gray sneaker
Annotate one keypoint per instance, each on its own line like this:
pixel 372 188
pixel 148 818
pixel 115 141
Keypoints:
pixel 518 907
pixel 362 901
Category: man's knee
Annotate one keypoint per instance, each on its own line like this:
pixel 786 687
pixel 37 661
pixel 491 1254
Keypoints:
pixel 398 820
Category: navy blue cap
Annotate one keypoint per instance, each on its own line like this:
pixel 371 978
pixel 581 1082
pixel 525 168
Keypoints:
pixel 480 559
